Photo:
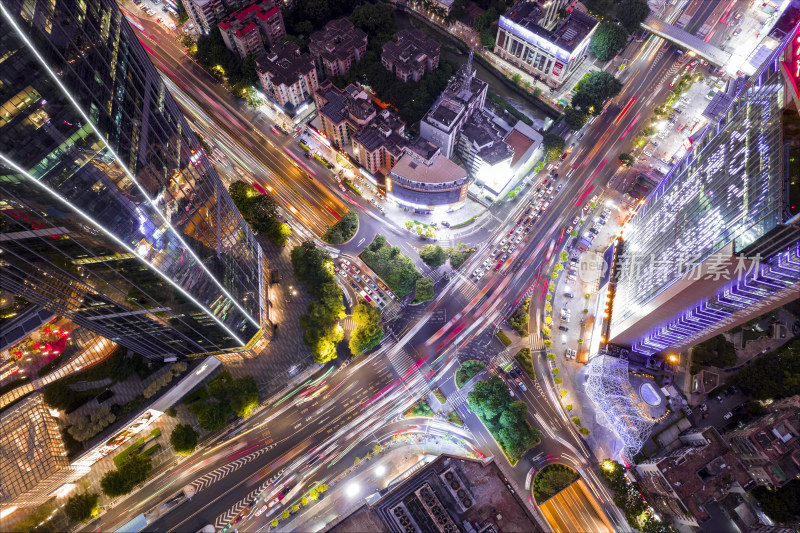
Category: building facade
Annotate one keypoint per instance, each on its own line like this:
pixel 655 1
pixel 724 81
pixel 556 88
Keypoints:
pixel 110 213
pixel 288 76
pixel 549 55
pixel 443 122
pixel 411 55
pixel 337 47
pixel 204 13
pixel 33 460
pixel 718 242
pixel 242 31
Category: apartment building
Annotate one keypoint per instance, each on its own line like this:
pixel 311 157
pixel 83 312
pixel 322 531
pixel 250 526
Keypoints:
pixel 411 55
pixel 287 76
pixel 245 30
pixel 337 47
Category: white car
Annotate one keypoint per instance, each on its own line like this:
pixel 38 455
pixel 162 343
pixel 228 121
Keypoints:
pixel 477 272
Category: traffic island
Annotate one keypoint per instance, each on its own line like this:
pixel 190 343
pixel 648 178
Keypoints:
pixel 467 371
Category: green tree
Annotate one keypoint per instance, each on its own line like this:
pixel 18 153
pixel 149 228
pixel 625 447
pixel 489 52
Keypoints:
pixel 368 332
pixel 211 415
pixel 583 431
pixel 183 439
pixel 285 514
pixel 632 13
pixel 374 19
pixel 274 522
pixel 553 145
pixel 563 256
pixel 343 230
pixel 574 118
pixel 424 290
pixel 626 159
pixel 592 92
pixel 433 255
pixel 487 38
pixel 313 495
pixel 397 270
pixel 608 39
pixel 82 507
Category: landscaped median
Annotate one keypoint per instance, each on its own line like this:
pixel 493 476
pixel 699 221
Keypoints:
pixel 421 408
pixel 395 269
pixel 525 362
pixel 505 419
pixel 467 371
pixel 551 480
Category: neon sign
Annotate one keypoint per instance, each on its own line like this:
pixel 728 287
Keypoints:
pixel 791 63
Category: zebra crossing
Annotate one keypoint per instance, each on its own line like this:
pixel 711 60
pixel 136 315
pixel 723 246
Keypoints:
pixel 215 475
pixel 456 399
pixel 401 360
pixel 348 324
pixel 231 513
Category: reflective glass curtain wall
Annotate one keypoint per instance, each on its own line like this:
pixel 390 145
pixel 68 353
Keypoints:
pixel 110 213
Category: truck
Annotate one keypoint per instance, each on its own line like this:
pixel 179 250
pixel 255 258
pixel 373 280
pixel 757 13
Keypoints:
pixel 275 276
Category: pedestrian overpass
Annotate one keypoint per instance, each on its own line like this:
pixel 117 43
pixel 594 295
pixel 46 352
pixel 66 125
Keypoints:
pixel 686 41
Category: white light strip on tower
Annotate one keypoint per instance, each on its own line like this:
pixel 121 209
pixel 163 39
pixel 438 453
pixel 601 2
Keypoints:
pixel 74 102
pixel 117 240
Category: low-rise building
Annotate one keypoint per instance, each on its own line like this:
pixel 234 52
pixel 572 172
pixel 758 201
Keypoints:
pixel 443 122
pixel 33 460
pixel 242 30
pixel 680 480
pixel 769 446
pixel 483 150
pixel 549 55
pixel 288 77
pixel 378 147
pixel 204 13
pixel 337 47
pixel 423 179
pixel 411 55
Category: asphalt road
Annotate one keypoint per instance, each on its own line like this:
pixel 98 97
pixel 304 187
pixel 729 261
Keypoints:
pixel 365 396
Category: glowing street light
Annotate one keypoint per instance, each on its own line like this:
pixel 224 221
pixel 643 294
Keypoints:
pixel 353 489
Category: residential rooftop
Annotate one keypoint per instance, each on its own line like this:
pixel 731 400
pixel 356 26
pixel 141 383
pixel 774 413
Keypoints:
pixel 567 36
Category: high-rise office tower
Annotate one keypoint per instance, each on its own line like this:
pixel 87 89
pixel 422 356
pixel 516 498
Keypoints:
pixel 717 242
pixel 110 213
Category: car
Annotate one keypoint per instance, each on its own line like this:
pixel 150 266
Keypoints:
pixel 498 265
pixel 372 284
pixel 503 242
pixel 476 272
pixel 505 257
pixel 520 221
pixel 737 31
pixel 528 229
pixel 357 278
pixel 495 252
pixel 693 63
pixel 737 15
pixel 571 277
pixel 569 295
pixel 594 231
pixel 445 223
pixel 344 261
pixel 522 386
pixel 563 328
pixel 511 392
pixel 518 239
pixel 728 415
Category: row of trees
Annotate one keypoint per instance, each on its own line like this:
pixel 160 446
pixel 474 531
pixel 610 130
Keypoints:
pixel 505 419
pixel 343 230
pixel 228 397
pixel 260 211
pixel 368 332
pixel 212 54
pixel 321 330
pixel 397 270
pixel 629 499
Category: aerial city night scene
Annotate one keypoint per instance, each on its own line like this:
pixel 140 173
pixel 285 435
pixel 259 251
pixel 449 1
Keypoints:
pixel 400 266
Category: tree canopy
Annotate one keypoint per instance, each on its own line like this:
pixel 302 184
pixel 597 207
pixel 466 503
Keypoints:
pixel 368 332
pixel 773 375
pixel 592 92
pixel 433 255
pixel 626 159
pixel 343 230
pixel 321 330
pixel 574 118
pixel 780 505
pixel 506 420
pixel 553 145
pixel 81 507
pixel 424 290
pixel 260 211
pixel 183 439
pixel 632 13
pixel 375 19
pixel 397 270
pixel 133 471
pixel 608 39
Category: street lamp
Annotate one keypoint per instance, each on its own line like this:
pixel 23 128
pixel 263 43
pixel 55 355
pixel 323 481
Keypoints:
pixel 353 489
pixel 380 470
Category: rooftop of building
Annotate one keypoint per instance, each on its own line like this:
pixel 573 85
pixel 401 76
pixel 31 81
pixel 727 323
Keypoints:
pixel 486 138
pixel 521 138
pixel 423 148
pixel 412 48
pixel 437 170
pixel 285 63
pixel 567 35
pixel 335 108
pixel 446 111
pixel 373 137
pixel 451 491
pixel 699 474
pixel 337 40
pixel 240 20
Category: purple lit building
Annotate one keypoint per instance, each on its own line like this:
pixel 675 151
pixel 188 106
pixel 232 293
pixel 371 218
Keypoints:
pixel 718 242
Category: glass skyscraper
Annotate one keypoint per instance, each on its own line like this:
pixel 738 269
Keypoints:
pixel 717 241
pixel 110 213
